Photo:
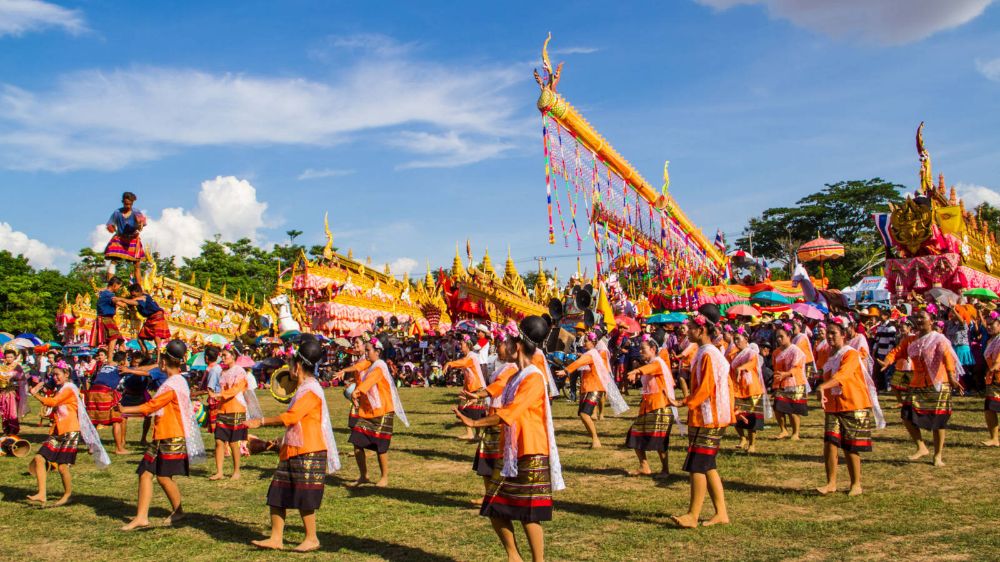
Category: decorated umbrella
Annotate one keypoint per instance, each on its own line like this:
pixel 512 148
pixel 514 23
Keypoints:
pixel 742 310
pixel 770 297
pixel 197 361
pixel 35 340
pixel 808 311
pixel 6 337
pixel 668 318
pixel 245 361
pixel 631 324
pixel 981 293
pixel 739 258
pixel 820 250
pixel 22 343
pixel 217 339
pixel 943 296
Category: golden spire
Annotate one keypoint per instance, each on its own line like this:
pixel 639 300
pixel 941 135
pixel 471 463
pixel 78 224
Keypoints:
pixel 386 269
pixel 456 266
pixel 328 249
pixel 429 279
pixel 488 264
pixel 509 271
pixel 350 253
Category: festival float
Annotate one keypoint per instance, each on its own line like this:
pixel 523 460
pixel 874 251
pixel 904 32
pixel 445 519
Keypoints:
pixel 478 293
pixel 193 313
pixel 337 295
pixel 934 241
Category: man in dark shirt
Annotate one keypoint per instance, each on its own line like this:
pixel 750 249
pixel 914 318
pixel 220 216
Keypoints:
pixel 103 401
pixel 105 329
pixel 155 326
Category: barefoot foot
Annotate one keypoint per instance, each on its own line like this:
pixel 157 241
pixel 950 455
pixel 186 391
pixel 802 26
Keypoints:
pixel 855 491
pixel 686 521
pixel 921 452
pixel 307 546
pixel 174 517
pixel 717 520
pixel 595 445
pixel 359 482
pixel 938 461
pixel 634 473
pixel 382 483
pixel 61 501
pixel 990 443
pixel 216 476
pixel 40 498
pixel 828 489
pixel 136 524
pixel 269 544
pixel 235 476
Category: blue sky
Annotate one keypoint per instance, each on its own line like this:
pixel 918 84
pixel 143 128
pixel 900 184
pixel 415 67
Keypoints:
pixel 414 124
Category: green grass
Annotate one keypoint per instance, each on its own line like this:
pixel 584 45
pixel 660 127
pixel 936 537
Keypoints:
pixel 908 510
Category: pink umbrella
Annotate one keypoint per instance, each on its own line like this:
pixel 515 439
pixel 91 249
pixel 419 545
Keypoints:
pixel 807 311
pixel 245 361
pixel 742 310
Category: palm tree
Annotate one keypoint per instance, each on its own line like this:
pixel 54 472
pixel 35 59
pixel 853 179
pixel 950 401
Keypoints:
pixel 292 235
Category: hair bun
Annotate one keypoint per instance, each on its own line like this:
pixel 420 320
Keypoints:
pixel 710 312
pixel 176 349
pixel 535 328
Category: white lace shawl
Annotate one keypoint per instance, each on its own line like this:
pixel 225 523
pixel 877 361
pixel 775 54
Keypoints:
pixel 192 435
pixel 510 453
pixel 930 348
pixel 742 358
pixel 550 381
pixel 792 356
pixel 293 433
pixel 650 386
pixel 615 400
pixel 373 396
pixel 831 367
pixel 248 398
pixel 721 378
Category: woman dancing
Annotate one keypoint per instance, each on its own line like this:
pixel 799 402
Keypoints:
pixel 594 385
pixel 308 452
pixel 651 429
pixel 125 225
pixel 790 384
pixel 473 381
pixel 237 405
pixel 378 405
pixel 746 370
pixel 521 486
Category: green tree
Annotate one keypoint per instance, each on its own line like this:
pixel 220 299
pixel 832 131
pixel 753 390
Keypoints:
pixel 841 211
pixel 240 265
pixel 29 299
pixel 292 235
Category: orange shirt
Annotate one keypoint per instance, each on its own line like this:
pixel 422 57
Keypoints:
pixel 921 378
pixel 744 387
pixel 468 364
pixel 496 387
pixel 803 344
pixel 822 354
pixel 377 378
pixel 899 355
pixel 798 371
pixel 731 352
pixel 169 424
pixel 685 357
pixel 655 400
pixel 307 411
pixel 527 412
pixel 539 361
pixel 853 392
pixel 358 368
pixel 229 403
pixel 589 380
pixel 705 391
pixel 66 423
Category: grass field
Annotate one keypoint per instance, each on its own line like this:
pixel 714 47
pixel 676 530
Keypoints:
pixel 909 510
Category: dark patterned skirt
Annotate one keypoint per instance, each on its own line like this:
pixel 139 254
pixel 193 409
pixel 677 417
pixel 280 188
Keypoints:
pixel 901 380
pixel 928 408
pixel 231 428
pixel 60 449
pixel 526 497
pixel 373 434
pixel 751 408
pixel 103 405
pixel 703 447
pixel 588 402
pixel 155 327
pixel 487 452
pixel 474 411
pixel 850 431
pixel 165 457
pixel 992 403
pixel 122 248
pixel 651 431
pixel 792 400
pixel 298 482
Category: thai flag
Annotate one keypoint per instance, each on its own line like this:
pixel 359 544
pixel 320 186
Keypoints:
pixel 882 221
pixel 720 240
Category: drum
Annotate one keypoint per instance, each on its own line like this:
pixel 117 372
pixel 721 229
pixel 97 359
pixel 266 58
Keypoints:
pixel 200 413
pixel 283 385
pixel 349 390
pixel 14 447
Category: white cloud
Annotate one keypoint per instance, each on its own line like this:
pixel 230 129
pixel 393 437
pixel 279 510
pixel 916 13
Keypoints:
pixel 227 207
pixel 575 51
pixel 18 17
pixel 403 265
pixel 891 22
pixel 107 120
pixel 447 150
pixel 989 69
pixel 39 254
pixel 311 174
pixel 973 195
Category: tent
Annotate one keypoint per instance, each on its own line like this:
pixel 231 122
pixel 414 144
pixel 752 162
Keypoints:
pixel 868 291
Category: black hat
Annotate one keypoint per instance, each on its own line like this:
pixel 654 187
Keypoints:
pixel 176 349
pixel 534 328
pixel 711 312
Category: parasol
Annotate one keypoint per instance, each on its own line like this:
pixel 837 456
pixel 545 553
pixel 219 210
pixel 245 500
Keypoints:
pixel 54 345
pixel 341 342
pixel 981 293
pixel 217 339
pixel 134 345
pixel 667 318
pixel 808 311
pixel 943 296
pixel 739 258
pixel 770 297
pixel 35 340
pixel 630 324
pixel 820 250
pixel 245 361
pixel 742 310
pixel 22 343
pixel 197 361
pixel 289 335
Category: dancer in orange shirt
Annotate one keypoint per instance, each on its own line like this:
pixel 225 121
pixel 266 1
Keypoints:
pixel 176 438
pixel 473 380
pixel 750 391
pixel 71 424
pixel 522 483
pixel 902 366
pixel 791 387
pixel 595 383
pixel 355 370
pixel 237 404
pixel 850 402
pixel 308 452
pixel 378 406
pixel 710 411
pixel 651 429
